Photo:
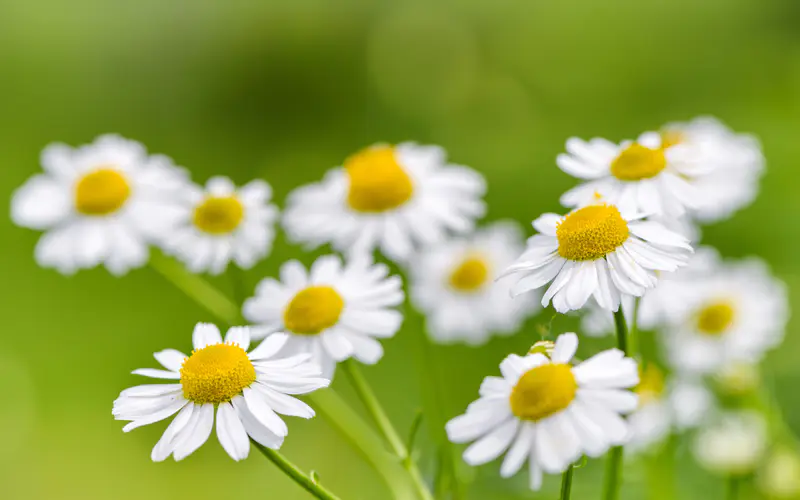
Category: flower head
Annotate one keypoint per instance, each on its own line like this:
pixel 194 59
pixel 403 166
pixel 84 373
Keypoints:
pixel 732 446
pixel 246 390
pixel 548 412
pixel 393 198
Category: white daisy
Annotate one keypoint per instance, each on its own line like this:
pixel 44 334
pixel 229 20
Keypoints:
pixel 735 163
pixel 221 223
pixel 645 175
pixel 734 445
pixel 548 412
pixel 454 285
pixel 596 251
pixel 247 390
pixel 734 314
pixel 394 198
pixel 333 312
pixel 101 203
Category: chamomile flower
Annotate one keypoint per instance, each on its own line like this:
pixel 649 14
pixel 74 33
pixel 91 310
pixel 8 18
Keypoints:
pixel 547 412
pixel 100 203
pixel 245 390
pixel 734 445
pixel 393 198
pixel 644 176
pixel 454 285
pixel 596 251
pixel 333 312
pixel 735 314
pixel 223 223
pixel 735 163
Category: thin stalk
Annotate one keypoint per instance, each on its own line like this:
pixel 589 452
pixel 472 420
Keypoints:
pixel 566 483
pixel 197 289
pixel 613 479
pixel 634 333
pixel 376 411
pixel 732 489
pixel 296 474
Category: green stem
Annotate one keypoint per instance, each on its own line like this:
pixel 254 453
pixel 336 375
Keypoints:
pixel 385 426
pixel 634 333
pixel 566 483
pixel 197 289
pixel 296 474
pixel 613 479
pixel 732 492
pixel 353 429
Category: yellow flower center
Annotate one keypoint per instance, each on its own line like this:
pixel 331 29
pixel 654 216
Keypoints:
pixel 216 373
pixel 715 318
pixel 651 384
pixel 313 310
pixel 101 192
pixel 219 214
pixel 637 162
pixel 591 233
pixel 470 275
pixel 377 182
pixel 671 138
pixel 543 391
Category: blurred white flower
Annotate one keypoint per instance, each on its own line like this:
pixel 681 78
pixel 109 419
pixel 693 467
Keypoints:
pixel 454 285
pixel 735 160
pixel 547 412
pixel 647 175
pixel 732 446
pixel 333 312
pixel 734 314
pixel 246 390
pixel 596 251
pixel 100 203
pixel 221 223
pixel 779 478
pixel 393 198
pixel 738 378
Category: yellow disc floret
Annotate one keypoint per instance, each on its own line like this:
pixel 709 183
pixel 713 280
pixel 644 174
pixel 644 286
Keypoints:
pixel 101 192
pixel 216 373
pixel 637 162
pixel 651 384
pixel 470 275
pixel 377 181
pixel 591 233
pixel 313 310
pixel 543 391
pixel 715 318
pixel 219 214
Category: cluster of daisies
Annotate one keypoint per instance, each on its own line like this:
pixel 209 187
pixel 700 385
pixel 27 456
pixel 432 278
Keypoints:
pixel 627 249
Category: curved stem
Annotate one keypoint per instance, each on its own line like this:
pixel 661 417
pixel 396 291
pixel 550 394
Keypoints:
pixel 732 490
pixel 385 426
pixel 613 479
pixel 296 474
pixel 622 330
pixel 566 483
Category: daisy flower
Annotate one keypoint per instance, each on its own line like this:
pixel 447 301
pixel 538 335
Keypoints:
pixel 735 163
pixel 734 314
pixel 547 412
pixel 393 198
pixel 645 175
pixel 454 285
pixel 221 223
pixel 245 390
pixel 734 445
pixel 596 251
pixel 333 312
pixel 101 203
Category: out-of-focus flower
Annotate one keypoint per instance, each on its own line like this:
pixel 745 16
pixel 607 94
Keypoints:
pixel 734 445
pixel 221 223
pixel 738 378
pixel 333 312
pixel 547 412
pixel 596 251
pixel 454 285
pixel 735 314
pixel 246 390
pixel 735 160
pixel 779 478
pixel 393 198
pixel 100 203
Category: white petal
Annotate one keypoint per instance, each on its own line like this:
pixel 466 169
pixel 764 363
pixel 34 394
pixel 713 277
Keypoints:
pixel 520 450
pixel 293 275
pixel 164 446
pixel 263 413
pixel 157 416
pixel 154 373
pixel 620 401
pixel 205 334
pixel 254 428
pixel 471 425
pixel 547 223
pixel 239 335
pixel 231 433
pixel 170 359
pixel 150 390
pixel 493 444
pixel 40 203
pixel 196 431
pixel 269 346
pixel 566 345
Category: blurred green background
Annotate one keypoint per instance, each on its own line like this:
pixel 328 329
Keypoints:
pixel 284 91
